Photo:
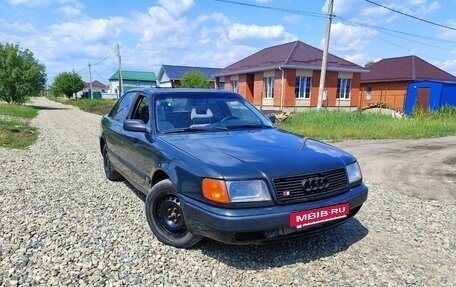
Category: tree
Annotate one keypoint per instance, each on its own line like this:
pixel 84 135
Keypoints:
pixel 21 75
pixel 195 79
pixel 368 64
pixel 67 84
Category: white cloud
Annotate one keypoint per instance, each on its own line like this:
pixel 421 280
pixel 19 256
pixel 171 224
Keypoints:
pixel 242 32
pixel 89 30
pixel 349 42
pixel 31 3
pixel 447 33
pixel 448 66
pixel 359 59
pixel 364 12
pixel 162 34
pixel 71 10
pixel 349 38
pixel 176 7
pixel 16 26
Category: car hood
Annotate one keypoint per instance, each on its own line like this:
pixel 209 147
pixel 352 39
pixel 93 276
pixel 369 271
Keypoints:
pixel 269 153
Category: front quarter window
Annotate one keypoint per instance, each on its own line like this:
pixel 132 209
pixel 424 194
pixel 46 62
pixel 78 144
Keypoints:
pixel 120 111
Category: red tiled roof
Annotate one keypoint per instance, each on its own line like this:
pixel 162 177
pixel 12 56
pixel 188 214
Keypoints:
pixel 408 68
pixel 290 55
pixel 96 85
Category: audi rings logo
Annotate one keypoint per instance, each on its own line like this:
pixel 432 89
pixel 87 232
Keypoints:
pixel 315 183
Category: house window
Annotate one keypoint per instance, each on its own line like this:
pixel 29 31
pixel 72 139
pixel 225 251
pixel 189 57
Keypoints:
pixel 343 88
pixel 269 87
pixel 235 85
pixel 302 87
pixel 369 93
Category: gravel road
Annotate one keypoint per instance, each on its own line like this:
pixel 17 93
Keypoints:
pixel 62 223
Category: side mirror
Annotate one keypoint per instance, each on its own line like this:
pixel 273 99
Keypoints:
pixel 136 126
pixel 271 117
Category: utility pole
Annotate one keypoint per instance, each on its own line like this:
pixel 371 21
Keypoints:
pixel 324 64
pixel 90 83
pixel 120 72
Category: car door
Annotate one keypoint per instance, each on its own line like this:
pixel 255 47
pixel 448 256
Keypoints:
pixel 136 144
pixel 113 131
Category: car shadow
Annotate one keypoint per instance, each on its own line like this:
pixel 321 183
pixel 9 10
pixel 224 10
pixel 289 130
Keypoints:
pixel 138 193
pixel 279 253
pixel 47 108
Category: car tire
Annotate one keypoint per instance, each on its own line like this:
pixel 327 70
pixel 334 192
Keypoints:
pixel 109 170
pixel 165 216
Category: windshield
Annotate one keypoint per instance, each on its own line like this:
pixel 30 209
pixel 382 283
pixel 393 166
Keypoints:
pixel 188 112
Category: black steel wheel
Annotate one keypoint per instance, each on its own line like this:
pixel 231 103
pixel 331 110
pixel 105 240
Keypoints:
pixel 166 218
pixel 109 170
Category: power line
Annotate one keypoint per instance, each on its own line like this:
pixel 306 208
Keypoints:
pixel 395 31
pixel 292 11
pixel 411 16
pixel 381 29
pixel 400 46
pixel 389 32
pixel 85 67
pixel 102 78
pixel 105 58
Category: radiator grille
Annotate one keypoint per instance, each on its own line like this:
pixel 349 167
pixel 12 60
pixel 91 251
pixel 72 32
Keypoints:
pixel 291 190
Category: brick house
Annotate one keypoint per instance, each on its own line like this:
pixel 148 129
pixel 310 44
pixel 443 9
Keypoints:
pixel 388 79
pixel 287 77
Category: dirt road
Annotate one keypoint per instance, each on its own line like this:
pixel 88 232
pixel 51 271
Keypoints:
pixel 425 168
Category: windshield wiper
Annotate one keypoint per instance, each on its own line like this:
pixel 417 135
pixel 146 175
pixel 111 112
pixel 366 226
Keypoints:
pixel 188 129
pixel 255 126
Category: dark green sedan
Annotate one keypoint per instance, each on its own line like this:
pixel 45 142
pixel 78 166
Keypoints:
pixel 211 165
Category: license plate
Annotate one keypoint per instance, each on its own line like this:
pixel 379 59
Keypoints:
pixel 318 215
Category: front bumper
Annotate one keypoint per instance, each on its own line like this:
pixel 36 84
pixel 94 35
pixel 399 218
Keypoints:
pixel 255 225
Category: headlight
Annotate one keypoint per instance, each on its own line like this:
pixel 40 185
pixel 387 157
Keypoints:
pixel 248 191
pixel 235 191
pixel 354 173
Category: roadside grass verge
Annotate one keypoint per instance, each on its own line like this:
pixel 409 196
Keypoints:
pixel 18 111
pixel 332 125
pixel 17 134
pixel 15 131
pixel 99 107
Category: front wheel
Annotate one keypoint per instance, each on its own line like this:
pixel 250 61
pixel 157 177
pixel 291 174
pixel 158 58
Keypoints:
pixel 166 218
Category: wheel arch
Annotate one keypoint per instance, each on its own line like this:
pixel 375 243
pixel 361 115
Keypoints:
pixel 102 144
pixel 158 176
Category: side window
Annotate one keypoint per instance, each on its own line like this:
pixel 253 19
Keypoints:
pixel 122 108
pixel 141 111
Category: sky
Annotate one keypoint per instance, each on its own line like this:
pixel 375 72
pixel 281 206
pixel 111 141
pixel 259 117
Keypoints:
pixel 66 35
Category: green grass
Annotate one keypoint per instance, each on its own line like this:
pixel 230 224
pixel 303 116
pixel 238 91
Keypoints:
pixel 15 131
pixel 99 107
pixel 330 125
pixel 17 134
pixel 18 110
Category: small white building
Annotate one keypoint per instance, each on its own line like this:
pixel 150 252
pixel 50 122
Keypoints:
pixel 131 80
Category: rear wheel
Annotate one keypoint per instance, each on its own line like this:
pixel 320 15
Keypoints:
pixel 109 170
pixel 165 216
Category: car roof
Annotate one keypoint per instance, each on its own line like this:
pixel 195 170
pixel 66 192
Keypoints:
pixel 156 91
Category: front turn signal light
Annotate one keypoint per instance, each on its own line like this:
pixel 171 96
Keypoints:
pixel 215 190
